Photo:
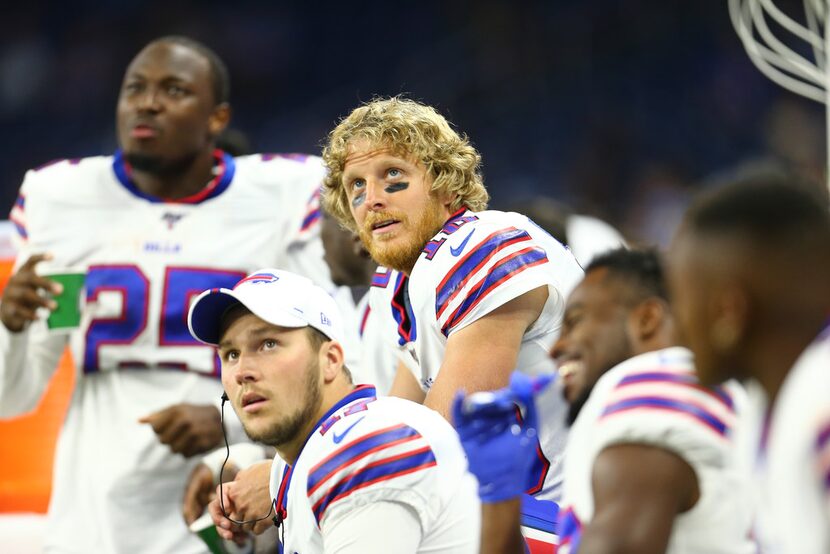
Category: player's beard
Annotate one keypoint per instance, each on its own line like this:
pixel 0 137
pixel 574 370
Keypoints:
pixel 288 428
pixel 398 256
pixel 159 165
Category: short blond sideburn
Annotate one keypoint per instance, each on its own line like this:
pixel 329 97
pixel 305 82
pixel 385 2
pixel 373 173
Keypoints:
pixel 410 129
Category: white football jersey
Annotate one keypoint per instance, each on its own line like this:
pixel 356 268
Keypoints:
pixel 478 262
pixel 791 457
pixel 370 359
pixel 655 399
pixel 144 259
pixel 368 450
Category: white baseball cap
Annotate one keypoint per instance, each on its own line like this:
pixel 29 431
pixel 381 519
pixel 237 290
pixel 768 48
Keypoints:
pixel 279 297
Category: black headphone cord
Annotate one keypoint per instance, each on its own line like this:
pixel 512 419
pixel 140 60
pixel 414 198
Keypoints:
pixel 277 521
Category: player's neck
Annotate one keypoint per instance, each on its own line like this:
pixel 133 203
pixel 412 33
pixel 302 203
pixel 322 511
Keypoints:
pixel 332 393
pixel 770 366
pixel 179 183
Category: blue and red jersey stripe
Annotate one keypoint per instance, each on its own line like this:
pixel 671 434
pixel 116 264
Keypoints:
pixel 357 450
pixel 687 380
pixel 382 470
pixel 472 262
pixel 659 403
pixel 509 267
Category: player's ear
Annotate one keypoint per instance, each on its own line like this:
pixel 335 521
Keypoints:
pixel 332 360
pixel 219 119
pixel 730 318
pixel 648 319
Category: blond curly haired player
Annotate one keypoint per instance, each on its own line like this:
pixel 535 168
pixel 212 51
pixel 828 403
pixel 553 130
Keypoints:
pixel 455 277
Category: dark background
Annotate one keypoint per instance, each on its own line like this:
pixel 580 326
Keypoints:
pixel 620 108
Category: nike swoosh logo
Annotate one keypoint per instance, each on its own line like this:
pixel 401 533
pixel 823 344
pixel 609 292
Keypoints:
pixel 337 438
pixel 460 248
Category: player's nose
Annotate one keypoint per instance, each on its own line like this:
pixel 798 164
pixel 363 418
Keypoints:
pixel 246 369
pixel 148 100
pixel 376 195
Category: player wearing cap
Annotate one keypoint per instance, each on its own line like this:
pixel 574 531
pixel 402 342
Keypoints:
pixel 473 294
pixel 361 473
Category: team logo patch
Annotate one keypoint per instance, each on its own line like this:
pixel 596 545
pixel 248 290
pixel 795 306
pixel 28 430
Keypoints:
pixel 171 219
pixel 258 279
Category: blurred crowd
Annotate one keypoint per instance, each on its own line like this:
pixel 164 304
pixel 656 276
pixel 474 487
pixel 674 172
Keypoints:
pixel 618 108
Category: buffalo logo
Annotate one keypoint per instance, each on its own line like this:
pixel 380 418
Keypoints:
pixel 258 279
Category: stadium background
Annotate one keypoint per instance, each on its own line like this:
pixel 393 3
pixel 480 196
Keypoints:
pixel 620 108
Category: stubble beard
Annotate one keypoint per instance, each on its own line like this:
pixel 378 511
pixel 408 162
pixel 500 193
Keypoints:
pixel 158 165
pixel 402 257
pixel 288 428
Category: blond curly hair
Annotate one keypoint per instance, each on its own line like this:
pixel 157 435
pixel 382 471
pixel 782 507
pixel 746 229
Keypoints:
pixel 410 129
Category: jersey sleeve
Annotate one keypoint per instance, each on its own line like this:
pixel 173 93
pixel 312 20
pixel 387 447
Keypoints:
pixel 669 410
pixel 482 266
pixel 28 358
pixel 393 463
pixel 357 531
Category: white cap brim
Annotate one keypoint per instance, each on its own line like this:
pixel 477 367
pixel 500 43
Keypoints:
pixel 205 317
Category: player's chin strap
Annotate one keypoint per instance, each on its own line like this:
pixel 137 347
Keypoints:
pixel 277 520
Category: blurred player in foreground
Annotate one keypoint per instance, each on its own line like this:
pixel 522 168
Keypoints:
pixel 168 215
pixel 361 474
pixel 750 281
pixel 649 465
pixel 473 294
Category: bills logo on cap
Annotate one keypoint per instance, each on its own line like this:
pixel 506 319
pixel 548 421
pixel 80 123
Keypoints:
pixel 257 278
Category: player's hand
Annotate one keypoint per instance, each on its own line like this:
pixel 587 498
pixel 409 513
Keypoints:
pixel 501 448
pixel 224 527
pixel 251 497
pixel 198 493
pixel 188 429
pixel 200 490
pixel 23 297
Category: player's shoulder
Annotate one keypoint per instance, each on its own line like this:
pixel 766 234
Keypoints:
pixel 280 169
pixel 658 393
pixel 470 241
pixel 67 176
pixel 375 446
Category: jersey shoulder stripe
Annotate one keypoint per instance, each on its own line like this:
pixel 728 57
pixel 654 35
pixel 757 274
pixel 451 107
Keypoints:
pixel 312 215
pixel 375 472
pixel 18 215
pixel 473 261
pixel 656 404
pixel 358 449
pixel 507 268
pixel 823 451
pixel 678 379
pixel 671 391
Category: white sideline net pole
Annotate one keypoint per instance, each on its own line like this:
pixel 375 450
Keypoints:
pixel 780 61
